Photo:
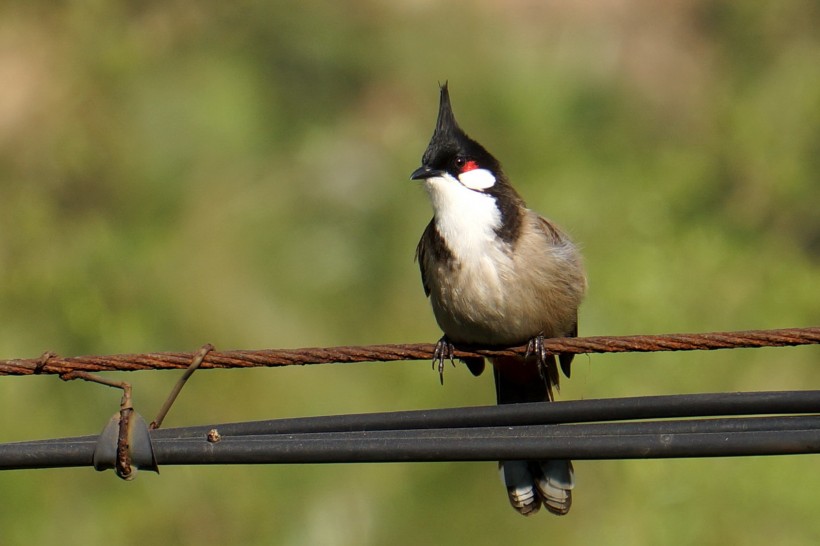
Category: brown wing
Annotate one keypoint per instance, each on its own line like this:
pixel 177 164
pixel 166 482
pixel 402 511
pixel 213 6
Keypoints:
pixel 557 237
pixel 431 247
pixel 421 254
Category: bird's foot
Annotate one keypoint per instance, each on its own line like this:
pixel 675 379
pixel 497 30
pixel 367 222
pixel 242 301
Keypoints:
pixel 535 347
pixel 444 351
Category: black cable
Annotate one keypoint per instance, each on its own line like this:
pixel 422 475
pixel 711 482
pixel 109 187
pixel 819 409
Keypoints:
pixel 649 439
pixel 572 411
pixel 483 433
pixel 479 444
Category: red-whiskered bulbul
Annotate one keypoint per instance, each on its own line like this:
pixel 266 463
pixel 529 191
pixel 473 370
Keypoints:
pixel 497 274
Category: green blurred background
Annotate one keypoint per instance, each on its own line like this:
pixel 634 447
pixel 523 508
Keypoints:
pixel 177 173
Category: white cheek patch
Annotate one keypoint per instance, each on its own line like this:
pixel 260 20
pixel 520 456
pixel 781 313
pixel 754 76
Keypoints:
pixel 477 179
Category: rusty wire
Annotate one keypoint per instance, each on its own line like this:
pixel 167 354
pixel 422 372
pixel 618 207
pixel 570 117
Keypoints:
pixel 50 363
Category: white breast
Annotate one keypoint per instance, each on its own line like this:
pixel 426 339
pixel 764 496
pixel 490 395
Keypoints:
pixel 487 293
pixel 473 292
pixel 465 218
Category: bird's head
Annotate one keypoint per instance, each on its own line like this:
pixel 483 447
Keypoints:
pixel 464 180
pixel 456 157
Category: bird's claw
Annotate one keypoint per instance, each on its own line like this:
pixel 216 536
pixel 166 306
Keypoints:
pixel 535 347
pixel 444 351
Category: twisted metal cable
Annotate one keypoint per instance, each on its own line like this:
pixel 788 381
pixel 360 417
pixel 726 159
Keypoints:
pixel 50 363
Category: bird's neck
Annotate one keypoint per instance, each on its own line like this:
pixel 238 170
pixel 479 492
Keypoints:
pixel 467 220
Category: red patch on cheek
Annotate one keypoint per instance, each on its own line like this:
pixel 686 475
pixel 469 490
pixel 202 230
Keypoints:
pixel 469 166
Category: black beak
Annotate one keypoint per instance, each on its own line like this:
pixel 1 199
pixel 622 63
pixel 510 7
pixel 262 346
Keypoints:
pixel 424 172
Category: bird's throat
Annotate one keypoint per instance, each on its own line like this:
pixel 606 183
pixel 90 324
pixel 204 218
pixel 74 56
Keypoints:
pixel 467 220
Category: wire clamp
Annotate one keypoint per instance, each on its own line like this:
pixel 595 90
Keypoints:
pixel 125 445
pixel 125 442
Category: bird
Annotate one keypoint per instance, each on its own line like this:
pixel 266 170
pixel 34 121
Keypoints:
pixel 498 275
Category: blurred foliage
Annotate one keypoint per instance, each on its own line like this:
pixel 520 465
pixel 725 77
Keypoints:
pixel 176 173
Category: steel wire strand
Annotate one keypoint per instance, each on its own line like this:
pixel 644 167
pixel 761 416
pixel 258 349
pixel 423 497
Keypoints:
pixel 55 364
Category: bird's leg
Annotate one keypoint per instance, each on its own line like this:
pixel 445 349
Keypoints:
pixel 444 350
pixel 535 347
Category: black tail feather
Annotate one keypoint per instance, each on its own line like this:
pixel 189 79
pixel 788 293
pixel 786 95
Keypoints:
pixel 531 484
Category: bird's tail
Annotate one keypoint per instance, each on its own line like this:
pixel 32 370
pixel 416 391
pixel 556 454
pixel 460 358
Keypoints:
pixel 533 483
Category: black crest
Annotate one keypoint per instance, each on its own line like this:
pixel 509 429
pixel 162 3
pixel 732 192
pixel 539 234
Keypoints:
pixel 450 140
pixel 447 134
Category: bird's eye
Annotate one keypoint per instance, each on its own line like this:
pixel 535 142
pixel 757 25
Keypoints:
pixel 463 164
